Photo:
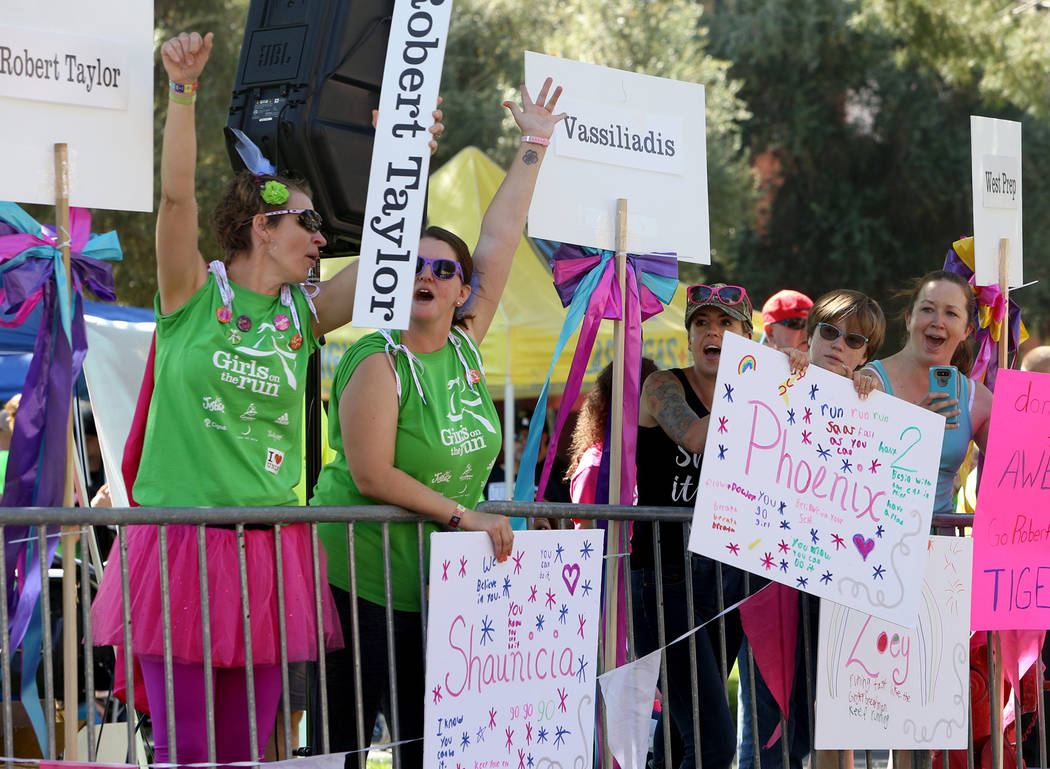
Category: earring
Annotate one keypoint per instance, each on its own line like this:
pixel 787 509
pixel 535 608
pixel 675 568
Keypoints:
pixel 459 304
pixel 271 247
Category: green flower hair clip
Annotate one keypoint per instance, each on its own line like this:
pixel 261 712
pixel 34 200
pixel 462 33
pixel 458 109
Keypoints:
pixel 275 193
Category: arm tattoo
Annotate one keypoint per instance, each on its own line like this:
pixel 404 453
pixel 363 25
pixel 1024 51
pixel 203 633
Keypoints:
pixel 666 401
pixel 530 157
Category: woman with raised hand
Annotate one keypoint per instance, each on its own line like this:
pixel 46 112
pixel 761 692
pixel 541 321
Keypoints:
pixel 417 428
pixel 224 429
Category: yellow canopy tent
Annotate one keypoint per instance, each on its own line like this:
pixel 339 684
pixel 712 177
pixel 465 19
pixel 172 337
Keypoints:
pixel 518 347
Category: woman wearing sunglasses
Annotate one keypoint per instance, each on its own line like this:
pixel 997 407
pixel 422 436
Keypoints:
pixel 845 329
pixel 672 433
pixel 232 343
pixel 417 428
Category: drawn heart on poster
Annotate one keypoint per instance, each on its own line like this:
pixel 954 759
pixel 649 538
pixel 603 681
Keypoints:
pixel 571 576
pixel 865 546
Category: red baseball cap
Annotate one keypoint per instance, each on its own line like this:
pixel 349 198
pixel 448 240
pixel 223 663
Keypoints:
pixel 786 304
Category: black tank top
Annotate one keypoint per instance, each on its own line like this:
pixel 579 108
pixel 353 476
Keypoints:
pixel 668 476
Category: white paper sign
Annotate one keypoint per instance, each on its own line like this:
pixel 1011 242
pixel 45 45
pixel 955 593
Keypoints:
pixel 512 650
pixel 807 485
pixel 881 685
pixel 80 74
pixel 627 136
pixel 995 152
pixel 397 181
pixel 44 66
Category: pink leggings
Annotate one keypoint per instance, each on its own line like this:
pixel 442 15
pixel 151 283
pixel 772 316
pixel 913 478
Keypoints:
pixel 231 710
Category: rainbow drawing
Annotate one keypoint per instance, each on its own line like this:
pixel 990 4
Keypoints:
pixel 747 363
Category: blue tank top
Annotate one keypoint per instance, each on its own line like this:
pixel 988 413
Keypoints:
pixel 956 442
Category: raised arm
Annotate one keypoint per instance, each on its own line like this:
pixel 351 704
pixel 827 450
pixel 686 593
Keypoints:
pixel 368 411
pixel 180 267
pixel 663 403
pixel 504 221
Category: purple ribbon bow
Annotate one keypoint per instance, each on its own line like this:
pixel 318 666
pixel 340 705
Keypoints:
pixel 651 283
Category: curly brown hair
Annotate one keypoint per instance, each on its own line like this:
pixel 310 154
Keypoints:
pixel 241 200
pixel 594 414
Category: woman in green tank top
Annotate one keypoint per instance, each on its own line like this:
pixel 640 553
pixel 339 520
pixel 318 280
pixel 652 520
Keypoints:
pixel 416 428
pixel 224 429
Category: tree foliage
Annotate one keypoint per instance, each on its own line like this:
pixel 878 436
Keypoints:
pixel 866 146
pixel 854 115
pixel 999 47
pixel 664 38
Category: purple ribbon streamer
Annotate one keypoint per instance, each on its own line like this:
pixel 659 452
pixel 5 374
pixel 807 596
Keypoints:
pixel 37 459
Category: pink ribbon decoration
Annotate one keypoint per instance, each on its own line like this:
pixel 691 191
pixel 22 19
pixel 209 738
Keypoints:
pixel 1021 650
pixel 994 316
pixel 585 280
pixel 770 620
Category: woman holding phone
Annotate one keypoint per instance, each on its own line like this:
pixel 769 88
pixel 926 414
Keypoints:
pixel 941 315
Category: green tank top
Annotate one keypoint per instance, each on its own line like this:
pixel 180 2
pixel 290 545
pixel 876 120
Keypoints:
pixel 448 436
pixel 225 420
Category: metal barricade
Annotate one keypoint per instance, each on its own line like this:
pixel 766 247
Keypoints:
pixel 320 731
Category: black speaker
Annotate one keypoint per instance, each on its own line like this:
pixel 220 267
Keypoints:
pixel 307 82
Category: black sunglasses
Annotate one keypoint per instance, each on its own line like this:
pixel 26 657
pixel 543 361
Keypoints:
pixel 308 219
pixel 727 295
pixel 443 269
pixel 795 324
pixel 831 333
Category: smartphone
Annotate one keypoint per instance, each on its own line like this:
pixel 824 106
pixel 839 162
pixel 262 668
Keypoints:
pixel 945 379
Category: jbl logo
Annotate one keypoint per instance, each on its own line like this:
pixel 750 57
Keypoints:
pixel 273 55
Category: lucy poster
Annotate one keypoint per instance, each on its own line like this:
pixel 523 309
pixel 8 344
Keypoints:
pixel 881 685
pixel 1011 530
pixel 512 650
pixel 807 485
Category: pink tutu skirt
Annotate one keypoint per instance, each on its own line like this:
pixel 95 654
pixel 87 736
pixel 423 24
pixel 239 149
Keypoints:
pixel 224 591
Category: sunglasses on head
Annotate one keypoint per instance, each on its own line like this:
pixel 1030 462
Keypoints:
pixel 795 324
pixel 727 295
pixel 308 219
pixel 443 269
pixel 831 333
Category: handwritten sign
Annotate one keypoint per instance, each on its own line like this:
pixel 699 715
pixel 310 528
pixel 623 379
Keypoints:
pixel 881 685
pixel 512 650
pixel 625 136
pixel 79 74
pixel 397 179
pixel 995 157
pixel 1011 530
pixel 807 485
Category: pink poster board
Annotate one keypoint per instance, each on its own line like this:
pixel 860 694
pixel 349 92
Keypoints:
pixel 1011 530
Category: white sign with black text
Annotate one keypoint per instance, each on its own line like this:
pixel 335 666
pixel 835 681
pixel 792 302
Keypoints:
pixel 995 153
pixel 79 74
pixel 397 181
pixel 43 66
pixel 630 136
